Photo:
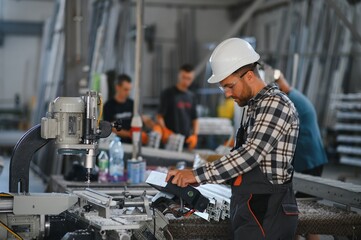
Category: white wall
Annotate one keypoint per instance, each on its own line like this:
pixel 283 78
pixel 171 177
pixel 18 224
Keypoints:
pixel 20 55
pixel 19 64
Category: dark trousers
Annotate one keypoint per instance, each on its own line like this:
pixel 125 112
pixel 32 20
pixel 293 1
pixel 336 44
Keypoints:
pixel 264 216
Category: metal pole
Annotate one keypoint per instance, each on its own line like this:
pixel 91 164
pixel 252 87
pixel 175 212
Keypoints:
pixel 76 48
pixel 355 34
pixel 136 120
pixel 295 69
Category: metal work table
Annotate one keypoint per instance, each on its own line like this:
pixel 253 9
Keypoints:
pixel 58 184
pixel 314 217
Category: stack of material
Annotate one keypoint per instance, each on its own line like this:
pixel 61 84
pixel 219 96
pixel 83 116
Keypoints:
pixel 154 139
pixel 215 126
pixel 348 128
pixel 175 142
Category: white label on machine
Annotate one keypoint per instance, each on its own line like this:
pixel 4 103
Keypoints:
pixel 157 178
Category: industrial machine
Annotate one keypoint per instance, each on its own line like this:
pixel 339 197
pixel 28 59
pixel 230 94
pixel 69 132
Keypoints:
pixel 83 214
pixel 73 123
pixel 120 213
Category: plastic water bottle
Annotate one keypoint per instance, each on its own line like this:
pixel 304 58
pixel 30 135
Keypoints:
pixel 116 161
pixel 103 164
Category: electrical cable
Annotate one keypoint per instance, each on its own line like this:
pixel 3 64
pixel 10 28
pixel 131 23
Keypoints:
pixel 6 195
pixel 154 222
pixel 181 205
pixel 169 234
pixel 190 212
pixel 172 211
pixel 17 236
pixel 100 109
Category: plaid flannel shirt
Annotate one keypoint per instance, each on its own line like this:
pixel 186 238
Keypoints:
pixel 271 141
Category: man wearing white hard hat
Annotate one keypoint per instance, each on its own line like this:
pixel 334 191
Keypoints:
pixel 259 168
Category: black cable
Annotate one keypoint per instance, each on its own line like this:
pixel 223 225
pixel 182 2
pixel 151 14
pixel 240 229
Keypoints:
pixel 169 234
pixel 154 222
pixel 181 205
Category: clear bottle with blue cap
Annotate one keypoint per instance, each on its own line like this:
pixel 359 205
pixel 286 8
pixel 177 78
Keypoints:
pixel 116 161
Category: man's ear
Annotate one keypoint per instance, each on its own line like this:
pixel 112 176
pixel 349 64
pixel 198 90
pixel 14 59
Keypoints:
pixel 250 76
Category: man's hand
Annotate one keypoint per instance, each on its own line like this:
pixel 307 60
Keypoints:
pixel 145 138
pixel 182 178
pixel 157 128
pixel 192 141
pixel 164 132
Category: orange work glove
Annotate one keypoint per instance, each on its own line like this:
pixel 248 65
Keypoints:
pixel 192 141
pixel 157 128
pixel 166 133
pixel 144 138
pixel 163 131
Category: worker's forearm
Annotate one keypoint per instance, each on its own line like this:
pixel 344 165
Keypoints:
pixel 195 127
pixel 148 122
pixel 122 133
pixel 160 120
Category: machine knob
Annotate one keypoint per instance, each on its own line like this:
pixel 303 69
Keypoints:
pixel 117 125
pixel 105 129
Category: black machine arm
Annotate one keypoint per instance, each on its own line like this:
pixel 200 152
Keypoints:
pixel 21 157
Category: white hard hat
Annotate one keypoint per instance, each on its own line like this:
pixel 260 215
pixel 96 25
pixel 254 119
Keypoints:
pixel 230 55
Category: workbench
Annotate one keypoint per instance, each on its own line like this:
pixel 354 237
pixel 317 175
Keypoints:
pixel 314 217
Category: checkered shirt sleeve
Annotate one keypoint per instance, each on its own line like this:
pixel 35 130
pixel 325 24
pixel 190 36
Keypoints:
pixel 270 144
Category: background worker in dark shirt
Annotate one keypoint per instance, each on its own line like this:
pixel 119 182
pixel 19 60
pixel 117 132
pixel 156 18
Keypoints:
pixel 121 107
pixel 177 111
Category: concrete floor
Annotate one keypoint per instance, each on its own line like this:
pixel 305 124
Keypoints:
pixel 331 171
